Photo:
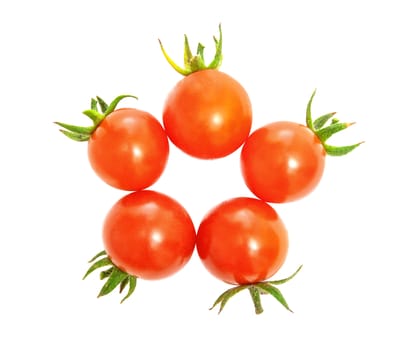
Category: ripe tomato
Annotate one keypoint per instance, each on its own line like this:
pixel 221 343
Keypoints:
pixel 129 149
pixel 282 161
pixel 149 235
pixel 242 241
pixel 208 114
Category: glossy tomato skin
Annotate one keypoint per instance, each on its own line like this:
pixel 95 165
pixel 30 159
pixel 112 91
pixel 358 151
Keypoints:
pixel 282 162
pixel 208 114
pixel 129 149
pixel 149 235
pixel 242 241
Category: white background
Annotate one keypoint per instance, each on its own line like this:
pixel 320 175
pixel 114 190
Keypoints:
pixel 349 233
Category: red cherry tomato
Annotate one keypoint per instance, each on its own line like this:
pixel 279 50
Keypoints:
pixel 242 241
pixel 208 114
pixel 149 235
pixel 282 162
pixel 129 149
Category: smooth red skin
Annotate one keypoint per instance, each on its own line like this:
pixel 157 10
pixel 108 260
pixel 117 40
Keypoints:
pixel 282 162
pixel 242 241
pixel 149 235
pixel 208 114
pixel 129 149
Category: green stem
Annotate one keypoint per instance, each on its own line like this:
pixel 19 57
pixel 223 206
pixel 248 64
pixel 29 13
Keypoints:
pixel 256 298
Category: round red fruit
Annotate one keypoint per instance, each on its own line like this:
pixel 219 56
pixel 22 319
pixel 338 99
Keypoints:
pixel 148 235
pixel 208 114
pixel 282 162
pixel 129 149
pixel 242 241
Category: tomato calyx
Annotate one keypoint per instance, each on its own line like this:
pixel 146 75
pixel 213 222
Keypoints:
pixel 325 132
pixel 115 277
pixel 194 63
pixel 98 111
pixel 256 290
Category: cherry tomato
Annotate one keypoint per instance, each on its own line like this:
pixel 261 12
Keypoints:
pixel 149 235
pixel 208 114
pixel 129 149
pixel 282 162
pixel 242 241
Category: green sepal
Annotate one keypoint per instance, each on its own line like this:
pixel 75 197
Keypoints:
pixel 85 130
pixel 95 116
pixel 200 51
pixel 98 255
pixel 325 132
pixel 337 151
pixel 256 290
pixel 172 63
pixel 106 273
pixel 114 280
pixel 187 52
pixel 309 119
pixel 93 104
pixel 225 297
pixel 123 284
pixel 75 136
pixel 110 108
pixel 218 55
pixel 193 63
pixel 115 276
pixel 98 264
pixel 132 283
pixel 83 133
pixel 321 121
pixel 287 279
pixel 103 105
pixel 275 292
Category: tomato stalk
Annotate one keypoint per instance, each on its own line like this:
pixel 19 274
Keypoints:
pixel 325 132
pixel 98 111
pixel 194 63
pixel 256 290
pixel 256 299
pixel 115 277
